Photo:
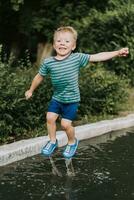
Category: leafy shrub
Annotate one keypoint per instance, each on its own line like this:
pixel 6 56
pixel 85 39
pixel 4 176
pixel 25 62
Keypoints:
pixel 101 91
pixel 109 31
pixel 18 115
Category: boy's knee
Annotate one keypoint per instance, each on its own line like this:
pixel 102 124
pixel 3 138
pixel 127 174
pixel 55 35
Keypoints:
pixel 65 124
pixel 50 118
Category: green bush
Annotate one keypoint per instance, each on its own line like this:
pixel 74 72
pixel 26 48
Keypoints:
pixel 110 31
pixel 18 115
pixel 101 91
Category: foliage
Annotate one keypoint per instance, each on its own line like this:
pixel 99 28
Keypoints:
pixel 102 26
pixel 16 4
pixel 18 115
pixel 110 31
pixel 102 91
pixel 34 21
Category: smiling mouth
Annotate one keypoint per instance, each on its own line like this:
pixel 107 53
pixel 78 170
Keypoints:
pixel 61 48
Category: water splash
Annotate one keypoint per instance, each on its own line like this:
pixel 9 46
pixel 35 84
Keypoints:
pixel 69 167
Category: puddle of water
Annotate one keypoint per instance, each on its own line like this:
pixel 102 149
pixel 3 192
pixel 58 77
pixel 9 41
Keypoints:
pixel 103 169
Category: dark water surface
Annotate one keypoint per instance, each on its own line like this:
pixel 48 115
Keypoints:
pixel 103 169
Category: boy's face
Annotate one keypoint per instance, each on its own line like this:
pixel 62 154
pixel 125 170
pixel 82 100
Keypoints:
pixel 64 43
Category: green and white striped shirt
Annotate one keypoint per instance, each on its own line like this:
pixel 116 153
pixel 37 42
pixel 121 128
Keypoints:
pixel 64 76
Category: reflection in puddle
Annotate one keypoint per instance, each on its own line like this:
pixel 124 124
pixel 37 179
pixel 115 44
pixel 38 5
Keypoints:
pixel 55 170
pixel 103 169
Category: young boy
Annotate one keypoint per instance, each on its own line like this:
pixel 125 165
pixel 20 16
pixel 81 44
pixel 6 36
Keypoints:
pixel 64 69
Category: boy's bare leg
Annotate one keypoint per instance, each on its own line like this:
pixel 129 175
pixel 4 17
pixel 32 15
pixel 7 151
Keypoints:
pixel 72 145
pixel 67 126
pixel 51 125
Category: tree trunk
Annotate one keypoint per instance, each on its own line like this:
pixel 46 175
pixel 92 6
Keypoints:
pixel 44 50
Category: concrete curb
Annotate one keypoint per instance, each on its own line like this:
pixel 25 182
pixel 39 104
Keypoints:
pixel 25 148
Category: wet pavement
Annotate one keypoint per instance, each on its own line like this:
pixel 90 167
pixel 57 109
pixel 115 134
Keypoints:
pixel 103 169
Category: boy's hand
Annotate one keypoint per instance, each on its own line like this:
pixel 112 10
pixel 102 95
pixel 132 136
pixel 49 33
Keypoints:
pixel 28 94
pixel 123 52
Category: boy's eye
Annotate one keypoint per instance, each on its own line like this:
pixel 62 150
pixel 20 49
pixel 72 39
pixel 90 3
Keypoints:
pixel 58 40
pixel 67 41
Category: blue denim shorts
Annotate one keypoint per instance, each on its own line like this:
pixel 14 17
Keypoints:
pixel 65 110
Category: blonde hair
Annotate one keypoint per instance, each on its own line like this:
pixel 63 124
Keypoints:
pixel 67 29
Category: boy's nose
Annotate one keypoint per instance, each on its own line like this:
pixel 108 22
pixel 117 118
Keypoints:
pixel 62 43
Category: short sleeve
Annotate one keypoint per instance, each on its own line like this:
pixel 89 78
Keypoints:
pixel 43 70
pixel 83 59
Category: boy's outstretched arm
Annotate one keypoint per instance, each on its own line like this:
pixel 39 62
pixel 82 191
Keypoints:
pixel 35 83
pixel 108 55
